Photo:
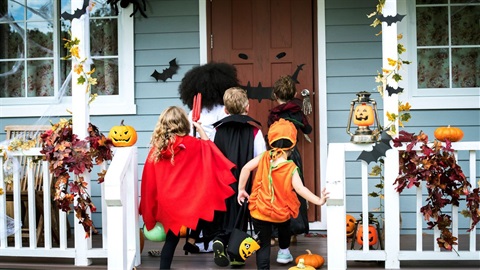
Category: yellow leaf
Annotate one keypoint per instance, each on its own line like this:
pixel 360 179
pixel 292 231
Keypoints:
pixel 392 62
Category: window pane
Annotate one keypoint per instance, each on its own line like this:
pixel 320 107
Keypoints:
pixel 12 45
pixel 39 10
pixel 466 67
pixel 65 69
pixel 106 72
pixel 40 78
pixel 433 68
pixel 432 26
pixel 40 39
pixel 103 37
pixel 13 8
pixel 102 10
pixel 464 1
pixel 12 80
pixel 466 25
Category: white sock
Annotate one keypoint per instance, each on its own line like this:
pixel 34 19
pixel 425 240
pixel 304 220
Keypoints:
pixel 284 251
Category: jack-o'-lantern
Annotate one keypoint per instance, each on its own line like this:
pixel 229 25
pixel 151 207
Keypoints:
pixel 372 235
pixel 364 115
pixel 123 135
pixel 248 247
pixel 350 225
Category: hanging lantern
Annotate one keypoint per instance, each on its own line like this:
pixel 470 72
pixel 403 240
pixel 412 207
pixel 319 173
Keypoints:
pixel 363 111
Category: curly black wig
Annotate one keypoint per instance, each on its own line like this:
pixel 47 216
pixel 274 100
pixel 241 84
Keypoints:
pixel 212 80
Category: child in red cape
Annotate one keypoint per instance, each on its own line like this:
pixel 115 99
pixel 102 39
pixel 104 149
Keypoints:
pixel 184 179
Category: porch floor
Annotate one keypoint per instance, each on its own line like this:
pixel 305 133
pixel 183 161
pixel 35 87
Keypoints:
pixel 317 243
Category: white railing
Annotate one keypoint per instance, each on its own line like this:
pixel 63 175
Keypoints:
pixel 119 215
pixel 339 253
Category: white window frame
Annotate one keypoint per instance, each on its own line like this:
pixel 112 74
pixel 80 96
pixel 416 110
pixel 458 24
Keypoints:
pixel 121 104
pixel 434 98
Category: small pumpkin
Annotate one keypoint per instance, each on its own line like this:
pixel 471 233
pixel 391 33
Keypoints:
pixel 301 265
pixel 452 134
pixel 364 115
pixel 372 235
pixel 311 259
pixel 350 225
pixel 123 135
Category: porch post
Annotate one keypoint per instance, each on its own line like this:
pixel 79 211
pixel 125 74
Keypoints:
pixel 80 117
pixel 390 103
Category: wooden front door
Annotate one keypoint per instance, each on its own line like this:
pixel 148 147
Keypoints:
pixel 266 39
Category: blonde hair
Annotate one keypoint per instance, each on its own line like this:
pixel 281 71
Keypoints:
pixel 235 100
pixel 284 88
pixel 172 122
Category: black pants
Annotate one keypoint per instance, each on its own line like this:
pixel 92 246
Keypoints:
pixel 264 231
pixel 168 250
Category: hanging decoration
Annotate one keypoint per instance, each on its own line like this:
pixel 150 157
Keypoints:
pixel 166 73
pixel 78 12
pixel 137 6
pixel 390 19
pixel 379 149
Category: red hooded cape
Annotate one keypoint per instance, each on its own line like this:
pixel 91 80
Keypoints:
pixel 192 188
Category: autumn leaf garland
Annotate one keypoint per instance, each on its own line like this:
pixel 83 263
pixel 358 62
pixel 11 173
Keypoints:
pixel 67 154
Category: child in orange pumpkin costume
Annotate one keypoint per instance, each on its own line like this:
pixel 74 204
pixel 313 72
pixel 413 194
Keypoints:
pixel 273 200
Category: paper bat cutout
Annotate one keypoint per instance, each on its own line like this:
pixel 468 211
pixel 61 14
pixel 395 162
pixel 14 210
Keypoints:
pixel 78 12
pixel 258 92
pixel 261 92
pixel 392 90
pixel 166 73
pixel 379 149
pixel 390 19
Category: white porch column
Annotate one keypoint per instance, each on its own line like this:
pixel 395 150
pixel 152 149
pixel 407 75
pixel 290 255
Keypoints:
pixel 81 117
pixel 390 104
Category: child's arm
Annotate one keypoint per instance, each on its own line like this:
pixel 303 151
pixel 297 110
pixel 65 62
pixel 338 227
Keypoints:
pixel 244 174
pixel 201 131
pixel 306 193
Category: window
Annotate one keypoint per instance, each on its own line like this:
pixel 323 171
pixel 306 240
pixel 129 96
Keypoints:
pixel 32 73
pixel 445 54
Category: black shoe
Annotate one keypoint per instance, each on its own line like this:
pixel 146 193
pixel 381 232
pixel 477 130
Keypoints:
pixel 190 248
pixel 219 256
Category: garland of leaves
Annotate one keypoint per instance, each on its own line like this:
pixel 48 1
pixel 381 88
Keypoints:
pixel 66 153
pixel 435 164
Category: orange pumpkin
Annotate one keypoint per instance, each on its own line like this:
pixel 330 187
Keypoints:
pixel 311 259
pixel 372 235
pixel 452 134
pixel 364 115
pixel 350 225
pixel 123 135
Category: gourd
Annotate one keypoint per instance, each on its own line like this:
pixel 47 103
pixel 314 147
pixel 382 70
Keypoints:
pixel 301 265
pixel 123 135
pixel 311 259
pixel 350 225
pixel 364 115
pixel 452 134
pixel 372 235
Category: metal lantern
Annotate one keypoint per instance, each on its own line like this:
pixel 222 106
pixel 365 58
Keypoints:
pixel 363 111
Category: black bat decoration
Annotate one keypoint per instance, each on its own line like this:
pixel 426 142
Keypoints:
pixel 168 72
pixel 390 19
pixel 137 6
pixel 258 92
pixel 392 90
pixel 78 12
pixel 261 92
pixel 379 149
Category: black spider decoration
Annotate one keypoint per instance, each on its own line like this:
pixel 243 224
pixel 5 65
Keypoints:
pixel 124 3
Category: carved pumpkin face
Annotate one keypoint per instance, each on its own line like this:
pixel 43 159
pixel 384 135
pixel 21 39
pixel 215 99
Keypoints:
pixel 350 225
pixel 123 135
pixel 372 235
pixel 248 247
pixel 364 115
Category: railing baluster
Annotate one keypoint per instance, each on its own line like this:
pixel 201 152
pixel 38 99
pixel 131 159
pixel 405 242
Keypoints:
pixel 473 181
